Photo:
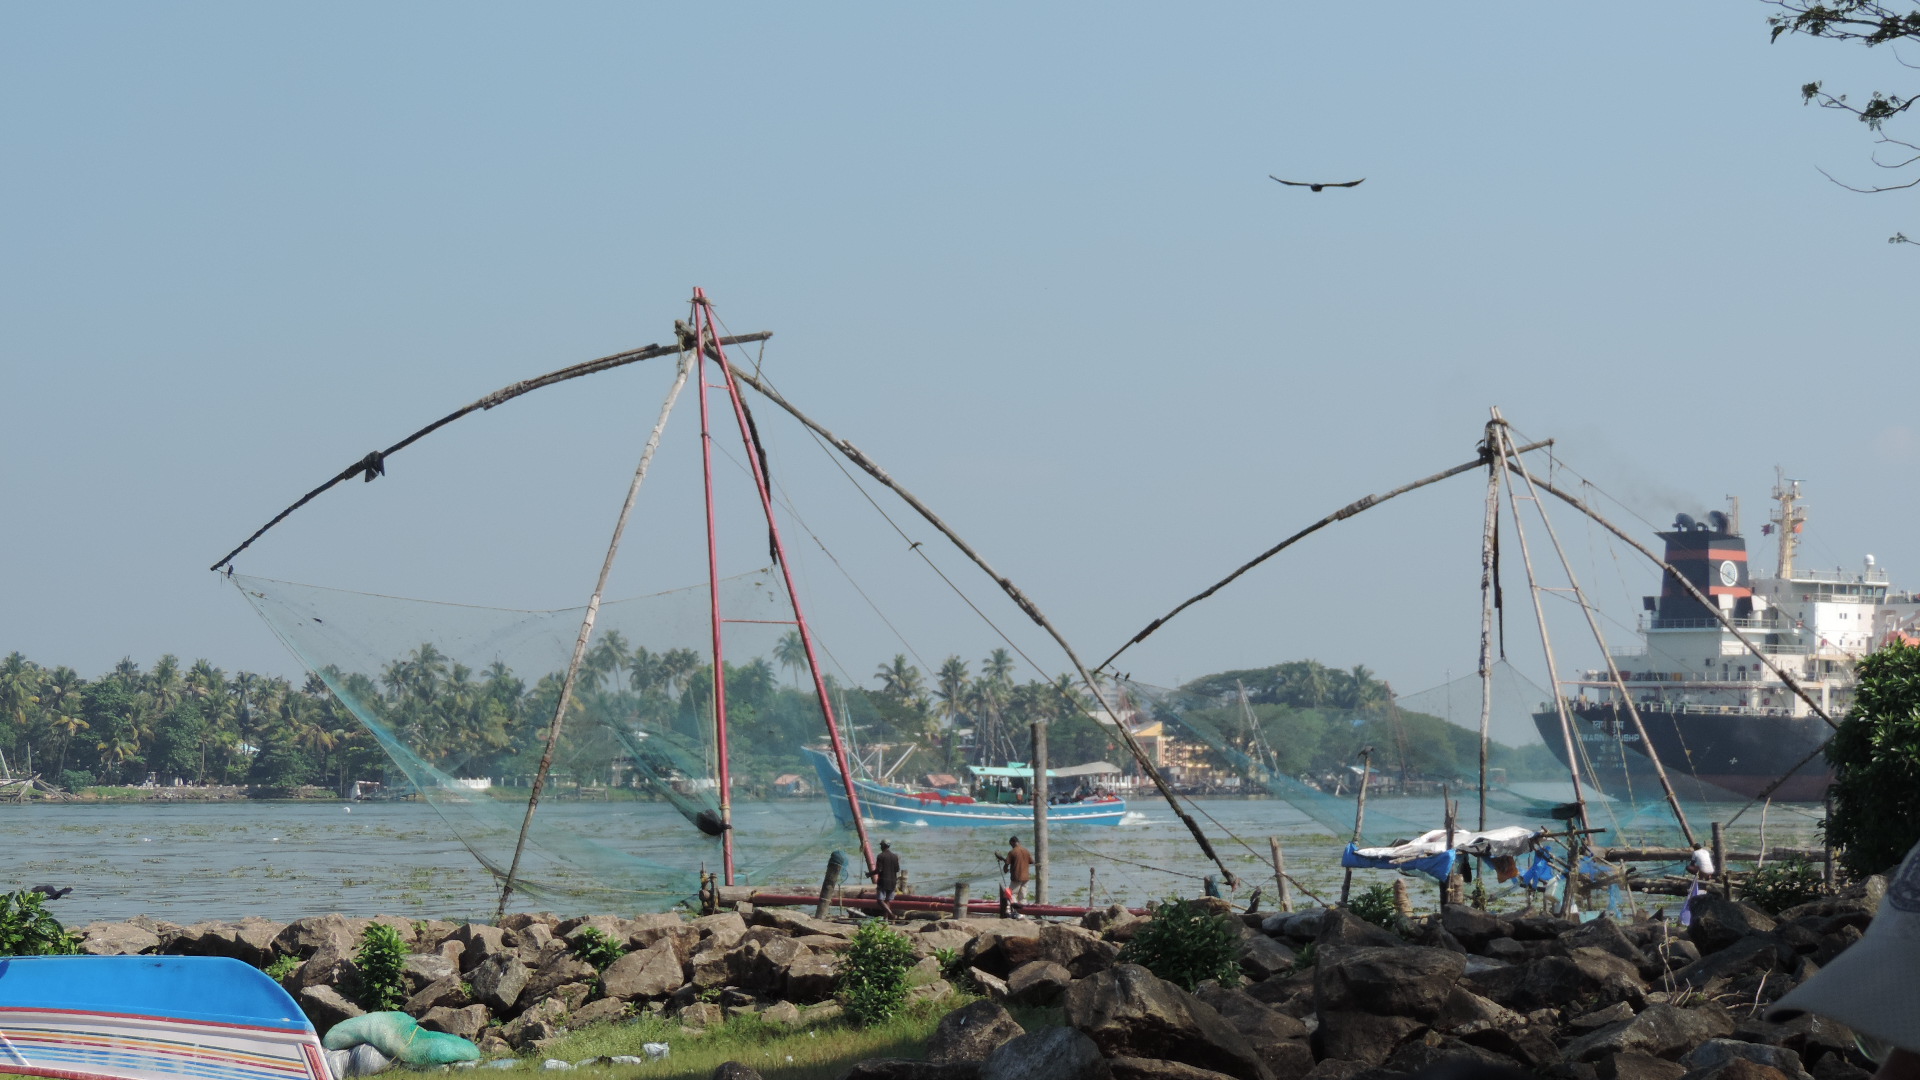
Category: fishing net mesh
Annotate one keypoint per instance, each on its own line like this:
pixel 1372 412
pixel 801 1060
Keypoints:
pixel 460 698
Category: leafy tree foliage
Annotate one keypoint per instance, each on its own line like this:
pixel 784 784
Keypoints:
pixel 1876 764
pixel 1868 23
pixel 27 928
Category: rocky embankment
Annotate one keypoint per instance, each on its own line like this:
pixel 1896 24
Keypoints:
pixel 1325 996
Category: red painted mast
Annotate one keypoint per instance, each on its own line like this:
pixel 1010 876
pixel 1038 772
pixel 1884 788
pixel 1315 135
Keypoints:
pixel 702 323
pixel 706 331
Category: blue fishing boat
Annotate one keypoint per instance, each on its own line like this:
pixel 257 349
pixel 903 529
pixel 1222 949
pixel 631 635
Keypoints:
pixel 993 801
pixel 151 1018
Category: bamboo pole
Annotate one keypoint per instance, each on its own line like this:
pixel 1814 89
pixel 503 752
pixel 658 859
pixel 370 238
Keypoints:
pixel 854 454
pixel 1489 552
pixel 1546 640
pixel 1280 873
pixel 1359 818
pixel 1345 512
pixel 725 777
pixel 1720 860
pixel 586 629
pixel 1613 669
pixel 1040 793
pixel 374 464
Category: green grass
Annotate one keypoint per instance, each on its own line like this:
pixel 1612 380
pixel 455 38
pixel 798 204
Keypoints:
pixel 777 1052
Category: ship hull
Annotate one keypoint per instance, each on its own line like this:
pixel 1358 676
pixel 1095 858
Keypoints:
pixel 891 804
pixel 1740 754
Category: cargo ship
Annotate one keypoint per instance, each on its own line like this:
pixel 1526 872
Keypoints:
pixel 1712 711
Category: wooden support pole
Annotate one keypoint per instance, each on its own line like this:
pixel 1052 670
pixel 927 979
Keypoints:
pixel 960 899
pixel 836 866
pixel 1489 556
pixel 1720 859
pixel 1600 639
pixel 1499 428
pixel 1446 886
pixel 1359 817
pixel 1092 880
pixel 1104 714
pixel 586 630
pixel 1827 845
pixel 1041 864
pixel 1280 873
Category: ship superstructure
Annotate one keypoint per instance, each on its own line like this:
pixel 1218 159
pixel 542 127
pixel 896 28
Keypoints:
pixel 1711 708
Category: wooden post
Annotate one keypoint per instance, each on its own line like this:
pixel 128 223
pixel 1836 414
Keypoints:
pixel 1359 817
pixel 1720 859
pixel 1092 878
pixel 1446 886
pixel 960 899
pixel 1039 811
pixel 1827 842
pixel 1280 873
pixel 836 866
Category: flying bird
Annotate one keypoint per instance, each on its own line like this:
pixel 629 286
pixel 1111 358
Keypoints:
pixel 1314 186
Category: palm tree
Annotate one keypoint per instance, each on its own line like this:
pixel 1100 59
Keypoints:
pixel 950 689
pixel 678 667
pixel 791 654
pixel 164 686
pixel 19 690
pixel 608 659
pixel 901 680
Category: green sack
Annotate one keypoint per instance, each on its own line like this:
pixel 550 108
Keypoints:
pixel 401 1038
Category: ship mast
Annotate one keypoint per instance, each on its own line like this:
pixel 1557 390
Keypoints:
pixel 1788 519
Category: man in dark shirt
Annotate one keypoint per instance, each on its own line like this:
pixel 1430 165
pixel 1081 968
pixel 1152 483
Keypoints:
pixel 886 877
pixel 1019 864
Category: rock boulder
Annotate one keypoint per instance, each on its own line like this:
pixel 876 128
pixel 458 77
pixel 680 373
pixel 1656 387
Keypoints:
pixel 1129 1012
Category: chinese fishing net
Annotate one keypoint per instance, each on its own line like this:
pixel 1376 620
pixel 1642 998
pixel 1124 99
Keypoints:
pixel 460 697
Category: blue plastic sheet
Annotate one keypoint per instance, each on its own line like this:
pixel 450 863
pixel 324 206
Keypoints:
pixel 1436 867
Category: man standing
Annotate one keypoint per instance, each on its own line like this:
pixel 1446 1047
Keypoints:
pixel 886 878
pixel 1019 864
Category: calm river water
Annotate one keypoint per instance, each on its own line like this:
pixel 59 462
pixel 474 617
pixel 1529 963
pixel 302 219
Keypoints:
pixel 185 862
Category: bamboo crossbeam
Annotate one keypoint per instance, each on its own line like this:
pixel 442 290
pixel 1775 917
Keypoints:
pixel 1660 854
pixel 1364 503
pixel 374 464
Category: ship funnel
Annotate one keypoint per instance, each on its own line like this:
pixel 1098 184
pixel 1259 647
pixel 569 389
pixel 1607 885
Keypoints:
pixel 1718 521
pixel 1683 522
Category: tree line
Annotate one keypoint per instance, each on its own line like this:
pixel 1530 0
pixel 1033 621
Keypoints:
pixel 640 711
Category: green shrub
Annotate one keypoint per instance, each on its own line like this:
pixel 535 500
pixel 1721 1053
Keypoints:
pixel 281 967
pixel 1776 888
pixel 1376 906
pixel 27 928
pixel 597 948
pixel 382 962
pixel 873 973
pixel 1308 955
pixel 1187 943
pixel 955 969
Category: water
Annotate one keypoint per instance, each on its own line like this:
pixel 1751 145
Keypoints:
pixel 186 862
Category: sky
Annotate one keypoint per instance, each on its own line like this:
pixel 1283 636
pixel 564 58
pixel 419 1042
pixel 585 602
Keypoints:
pixel 1028 258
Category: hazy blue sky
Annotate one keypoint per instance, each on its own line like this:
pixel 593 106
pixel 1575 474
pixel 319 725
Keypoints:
pixel 1026 256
